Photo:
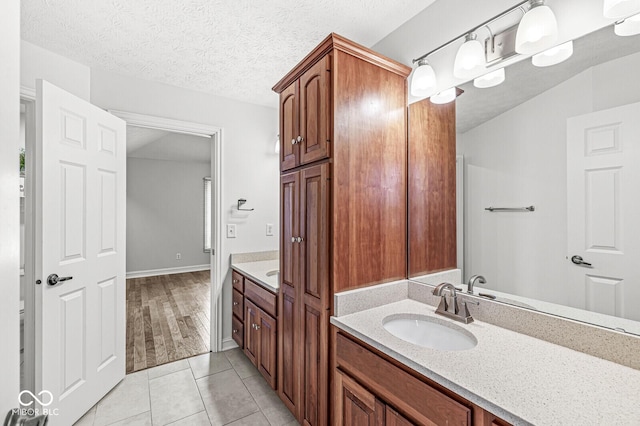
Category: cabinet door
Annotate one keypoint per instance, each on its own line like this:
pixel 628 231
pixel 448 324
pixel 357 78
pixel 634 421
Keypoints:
pixel 289 130
pixel 315 363
pixel 315 112
pixel 393 418
pixel 289 228
pixel 289 349
pixel 252 334
pixel 355 405
pixel 314 229
pixel 267 353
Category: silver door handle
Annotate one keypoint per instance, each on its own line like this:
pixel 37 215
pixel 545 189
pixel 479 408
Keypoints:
pixel 578 261
pixel 299 240
pixel 54 279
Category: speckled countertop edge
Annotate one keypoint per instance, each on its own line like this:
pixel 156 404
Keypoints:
pixel 257 272
pixel 549 384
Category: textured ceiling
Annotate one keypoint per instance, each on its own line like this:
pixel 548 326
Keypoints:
pixel 525 81
pixel 162 145
pixel 235 48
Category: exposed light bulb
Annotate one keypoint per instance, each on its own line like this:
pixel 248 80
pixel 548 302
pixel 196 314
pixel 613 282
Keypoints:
pixel 470 59
pixel 538 29
pixel 490 79
pixel 444 97
pixel 628 27
pixel 423 80
pixel 553 56
pixel 620 8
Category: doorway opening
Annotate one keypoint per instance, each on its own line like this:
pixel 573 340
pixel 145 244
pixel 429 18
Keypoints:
pixel 173 283
pixel 168 246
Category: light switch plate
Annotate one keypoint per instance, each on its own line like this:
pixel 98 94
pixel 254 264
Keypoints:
pixel 231 230
pixel 269 229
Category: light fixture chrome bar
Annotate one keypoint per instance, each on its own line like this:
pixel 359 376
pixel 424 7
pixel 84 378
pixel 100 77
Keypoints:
pixel 485 23
pixel 511 209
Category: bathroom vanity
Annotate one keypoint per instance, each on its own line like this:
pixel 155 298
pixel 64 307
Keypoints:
pixel 255 313
pixel 506 378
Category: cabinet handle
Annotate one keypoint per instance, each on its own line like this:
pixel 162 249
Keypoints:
pixel 257 326
pixel 235 303
pixel 299 239
pixel 299 139
pixel 293 141
pixel 293 239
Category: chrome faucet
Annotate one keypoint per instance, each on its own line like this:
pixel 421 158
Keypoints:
pixel 451 310
pixel 472 282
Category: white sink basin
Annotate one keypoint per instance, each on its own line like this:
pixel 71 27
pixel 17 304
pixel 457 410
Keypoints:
pixel 429 332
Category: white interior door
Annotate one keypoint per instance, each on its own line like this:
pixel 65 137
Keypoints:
pixel 603 180
pixel 80 233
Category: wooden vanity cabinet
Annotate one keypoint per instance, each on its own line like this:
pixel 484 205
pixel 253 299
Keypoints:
pixel 343 207
pixel 366 380
pixel 254 325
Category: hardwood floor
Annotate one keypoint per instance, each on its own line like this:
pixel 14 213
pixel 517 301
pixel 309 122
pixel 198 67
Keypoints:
pixel 167 318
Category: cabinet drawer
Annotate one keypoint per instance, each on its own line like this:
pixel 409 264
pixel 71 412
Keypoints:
pixel 238 281
pixel 415 398
pixel 237 304
pixel 263 298
pixel 237 331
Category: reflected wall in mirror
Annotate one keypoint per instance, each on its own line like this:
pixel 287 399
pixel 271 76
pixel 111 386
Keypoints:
pixel 565 139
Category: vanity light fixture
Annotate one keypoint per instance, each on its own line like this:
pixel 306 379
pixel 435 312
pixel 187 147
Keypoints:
pixel 470 59
pixel 538 29
pixel 628 27
pixel 490 79
pixel 444 97
pixel 620 8
pixel 423 80
pixel 553 56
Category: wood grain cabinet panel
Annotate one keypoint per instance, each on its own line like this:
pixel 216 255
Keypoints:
pixel 315 115
pixel 237 303
pixel 261 297
pixel 251 336
pixel 289 127
pixel 355 405
pixel 237 331
pixel 432 187
pixel 267 361
pixel 288 349
pixel 237 280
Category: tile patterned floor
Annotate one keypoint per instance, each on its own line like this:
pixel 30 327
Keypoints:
pixel 211 389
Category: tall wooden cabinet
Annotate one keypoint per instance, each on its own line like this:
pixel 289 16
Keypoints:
pixel 343 128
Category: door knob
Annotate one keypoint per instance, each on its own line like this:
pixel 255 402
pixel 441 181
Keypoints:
pixel 54 279
pixel 578 261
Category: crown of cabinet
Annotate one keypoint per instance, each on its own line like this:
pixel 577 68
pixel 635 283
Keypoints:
pixel 337 42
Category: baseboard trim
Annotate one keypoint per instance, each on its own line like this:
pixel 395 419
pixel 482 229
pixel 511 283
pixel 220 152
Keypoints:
pixel 229 343
pixel 166 271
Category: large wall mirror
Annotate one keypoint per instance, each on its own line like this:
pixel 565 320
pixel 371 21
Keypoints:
pixel 564 139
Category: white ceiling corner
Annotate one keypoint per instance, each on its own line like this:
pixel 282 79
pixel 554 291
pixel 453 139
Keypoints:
pixel 235 49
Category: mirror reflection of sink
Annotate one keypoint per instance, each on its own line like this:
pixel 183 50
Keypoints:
pixel 429 332
pixel 273 272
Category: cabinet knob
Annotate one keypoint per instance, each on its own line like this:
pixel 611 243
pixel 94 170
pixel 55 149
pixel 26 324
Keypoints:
pixel 235 303
pixel 235 281
pixel 299 239
pixel 293 239
pixel 293 141
pixel 299 139
pixel 257 326
pixel 235 331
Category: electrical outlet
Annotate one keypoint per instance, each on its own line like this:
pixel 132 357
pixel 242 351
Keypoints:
pixel 178 256
pixel 231 230
pixel 269 229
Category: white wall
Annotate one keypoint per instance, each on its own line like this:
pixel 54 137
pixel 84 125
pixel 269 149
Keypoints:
pixel 250 166
pixel 518 159
pixel 36 62
pixel 165 214
pixel 9 204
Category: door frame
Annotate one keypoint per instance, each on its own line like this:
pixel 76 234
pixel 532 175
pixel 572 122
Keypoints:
pixel 216 135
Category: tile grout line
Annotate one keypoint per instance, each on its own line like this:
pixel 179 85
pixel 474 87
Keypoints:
pixel 199 393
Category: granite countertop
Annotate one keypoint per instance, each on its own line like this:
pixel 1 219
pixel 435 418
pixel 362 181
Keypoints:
pixel 516 377
pixel 257 272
